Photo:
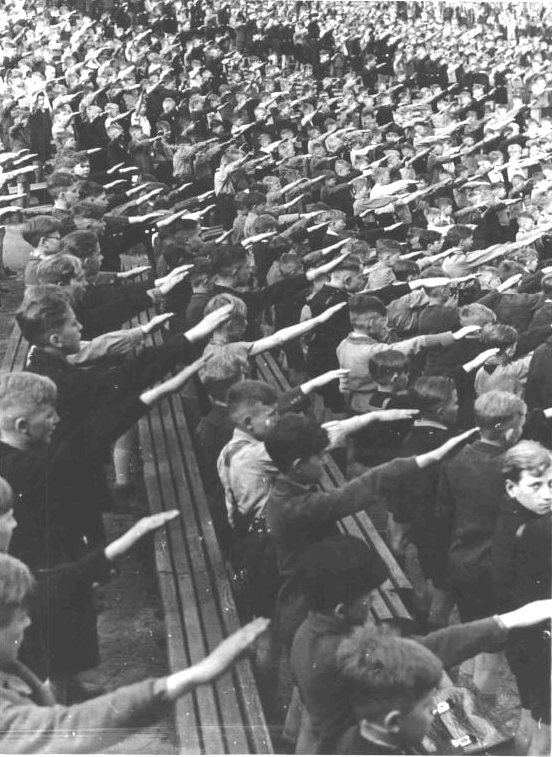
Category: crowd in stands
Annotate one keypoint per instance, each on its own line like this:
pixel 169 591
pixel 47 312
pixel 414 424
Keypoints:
pixel 362 190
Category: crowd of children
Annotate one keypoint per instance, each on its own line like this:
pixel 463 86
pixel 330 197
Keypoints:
pixel 362 189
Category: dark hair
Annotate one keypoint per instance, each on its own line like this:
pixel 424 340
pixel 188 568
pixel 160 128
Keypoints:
pixel 295 437
pixel 82 244
pixel 525 456
pixel 202 267
pixel 338 569
pixel 427 237
pixel 546 284
pixel 429 393
pixel 44 310
pixel 87 188
pixel 362 302
pixel 88 209
pixel 39 226
pixel 228 257
pixel 383 365
pixel 384 673
pixel 498 335
pixel 59 269
pixel 58 182
pixel 246 394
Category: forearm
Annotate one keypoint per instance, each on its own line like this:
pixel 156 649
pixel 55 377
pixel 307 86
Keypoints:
pixel 114 343
pixel 457 643
pixel 283 336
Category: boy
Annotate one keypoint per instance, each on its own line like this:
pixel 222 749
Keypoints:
pixel 298 515
pixel 56 523
pixel 30 718
pixel 339 577
pixel 391 683
pixel 370 336
pixel 43 233
pixel 521 571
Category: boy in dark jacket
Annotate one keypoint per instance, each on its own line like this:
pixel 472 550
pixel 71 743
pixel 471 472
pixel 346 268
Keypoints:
pixel 522 571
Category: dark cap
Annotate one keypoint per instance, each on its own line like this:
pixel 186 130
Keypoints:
pixel 338 569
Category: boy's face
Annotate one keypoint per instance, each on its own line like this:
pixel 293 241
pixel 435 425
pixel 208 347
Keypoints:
pixel 415 724
pixel 67 338
pixel 82 169
pixel 534 492
pixel 41 424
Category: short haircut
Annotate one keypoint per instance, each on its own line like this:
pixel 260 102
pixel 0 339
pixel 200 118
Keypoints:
pixel 338 569
pixel 59 269
pixel 82 244
pixel 499 335
pixel 384 673
pixel 362 303
pixel 58 182
pixel 24 392
pixel 244 396
pixel 88 209
pixel 427 237
pixel 527 456
pixel 44 310
pixel 39 226
pixel 385 364
pixel 16 587
pixel 476 314
pixel 227 258
pixel 295 437
pixel 250 199
pixel 202 268
pixel 457 234
pixel 220 300
pixel 496 412
pixel 87 188
pixel 430 393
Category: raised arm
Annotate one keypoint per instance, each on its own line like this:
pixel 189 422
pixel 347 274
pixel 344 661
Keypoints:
pixel 292 332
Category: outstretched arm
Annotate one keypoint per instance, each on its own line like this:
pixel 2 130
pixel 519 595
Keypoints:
pixel 292 332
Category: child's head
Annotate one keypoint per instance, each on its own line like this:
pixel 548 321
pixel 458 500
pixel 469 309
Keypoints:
pixel 201 275
pixel 389 369
pixel 339 576
pixel 28 414
pixel 295 444
pixel 348 274
pixel 500 417
pixel 388 251
pixel 230 263
pixel 436 398
pixel 233 328
pixel 47 320
pixel 16 588
pixel 391 682
pixel 83 244
pixel 252 407
pixel 43 233
pixel 527 471
pixel 64 271
pixel 368 315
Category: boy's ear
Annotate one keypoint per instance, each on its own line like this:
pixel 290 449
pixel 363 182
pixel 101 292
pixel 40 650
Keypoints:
pixel 339 611
pixel 53 340
pixel 21 425
pixel 296 464
pixel 510 486
pixel 392 721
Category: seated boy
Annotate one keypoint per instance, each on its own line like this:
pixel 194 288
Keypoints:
pixel 391 684
pixel 31 719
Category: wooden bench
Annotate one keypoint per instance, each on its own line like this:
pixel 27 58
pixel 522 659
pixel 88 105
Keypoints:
pixel 16 353
pixel 226 718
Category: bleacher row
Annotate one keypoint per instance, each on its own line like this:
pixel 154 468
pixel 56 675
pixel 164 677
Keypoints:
pixel 199 609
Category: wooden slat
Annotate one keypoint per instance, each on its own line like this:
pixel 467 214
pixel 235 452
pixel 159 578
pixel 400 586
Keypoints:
pixel 16 353
pixel 229 717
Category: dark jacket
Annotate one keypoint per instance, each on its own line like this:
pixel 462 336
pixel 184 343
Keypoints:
pixel 468 501
pixel 313 662
pixel 538 390
pixel 325 340
pixel 299 515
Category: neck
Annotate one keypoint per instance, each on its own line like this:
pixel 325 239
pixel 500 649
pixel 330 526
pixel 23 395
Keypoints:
pixel 225 282
pixel 493 442
pixel 54 351
pixel 13 439
pixel 61 204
